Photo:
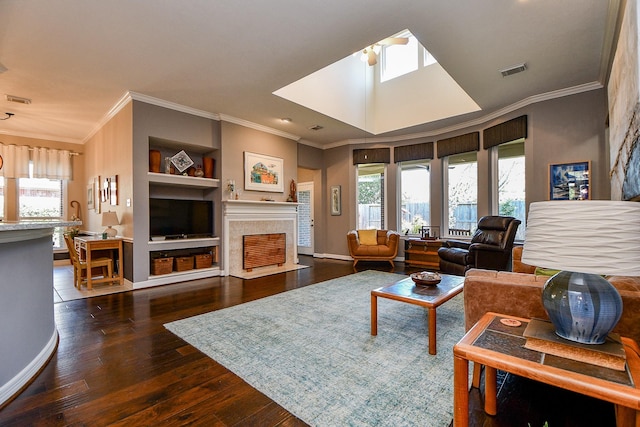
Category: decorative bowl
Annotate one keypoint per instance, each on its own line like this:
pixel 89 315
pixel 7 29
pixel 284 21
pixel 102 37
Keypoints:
pixel 426 278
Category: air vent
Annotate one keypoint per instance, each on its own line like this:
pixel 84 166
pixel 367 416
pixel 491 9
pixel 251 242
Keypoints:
pixel 513 70
pixel 18 99
pixel 315 127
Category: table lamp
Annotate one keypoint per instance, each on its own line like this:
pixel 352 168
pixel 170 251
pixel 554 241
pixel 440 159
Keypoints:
pixel 109 219
pixel 585 239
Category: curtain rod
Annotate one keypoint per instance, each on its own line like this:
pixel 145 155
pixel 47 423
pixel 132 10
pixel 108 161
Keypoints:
pixel 71 153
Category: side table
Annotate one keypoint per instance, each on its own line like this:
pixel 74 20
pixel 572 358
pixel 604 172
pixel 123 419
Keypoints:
pixel 422 253
pixel 498 346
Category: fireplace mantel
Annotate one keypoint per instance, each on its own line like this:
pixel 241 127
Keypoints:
pixel 245 217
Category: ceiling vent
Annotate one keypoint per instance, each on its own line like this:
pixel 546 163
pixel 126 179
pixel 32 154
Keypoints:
pixel 18 99
pixel 513 70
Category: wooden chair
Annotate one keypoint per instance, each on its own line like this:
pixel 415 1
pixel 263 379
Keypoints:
pixel 80 269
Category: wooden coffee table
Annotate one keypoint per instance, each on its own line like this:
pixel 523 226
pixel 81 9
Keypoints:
pixel 430 297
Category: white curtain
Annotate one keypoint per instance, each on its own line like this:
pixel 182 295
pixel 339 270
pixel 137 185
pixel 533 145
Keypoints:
pixel 15 161
pixel 47 162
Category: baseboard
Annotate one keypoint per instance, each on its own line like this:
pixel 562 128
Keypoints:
pixel 15 385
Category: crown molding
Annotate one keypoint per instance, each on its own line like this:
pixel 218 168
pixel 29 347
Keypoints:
pixel 574 90
pixel 246 123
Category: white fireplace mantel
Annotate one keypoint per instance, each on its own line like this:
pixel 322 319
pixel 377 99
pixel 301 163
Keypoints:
pixel 243 217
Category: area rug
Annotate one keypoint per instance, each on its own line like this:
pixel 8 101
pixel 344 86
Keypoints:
pixel 312 352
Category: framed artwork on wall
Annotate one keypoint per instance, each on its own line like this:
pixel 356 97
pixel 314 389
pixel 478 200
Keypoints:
pixel 336 202
pixel 90 196
pixel 113 190
pixel 97 194
pixel 569 181
pixel 263 173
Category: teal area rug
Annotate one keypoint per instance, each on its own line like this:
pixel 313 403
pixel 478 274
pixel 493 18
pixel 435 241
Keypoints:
pixel 311 350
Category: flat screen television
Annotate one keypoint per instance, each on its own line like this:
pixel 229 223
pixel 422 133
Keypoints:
pixel 179 219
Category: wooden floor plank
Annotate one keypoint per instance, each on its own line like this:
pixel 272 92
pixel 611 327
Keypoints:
pixel 116 364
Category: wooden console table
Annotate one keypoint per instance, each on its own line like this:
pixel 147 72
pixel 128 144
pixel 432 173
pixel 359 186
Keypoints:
pixel 85 245
pixel 422 253
pixel 500 347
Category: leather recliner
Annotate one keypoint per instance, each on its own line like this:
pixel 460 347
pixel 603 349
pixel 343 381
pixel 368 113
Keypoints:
pixel 490 247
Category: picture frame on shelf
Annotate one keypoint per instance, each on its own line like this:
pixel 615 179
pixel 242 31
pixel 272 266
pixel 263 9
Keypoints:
pixel 263 173
pixel 336 200
pixel 570 181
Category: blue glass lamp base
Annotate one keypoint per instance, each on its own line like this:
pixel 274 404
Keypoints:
pixel 583 307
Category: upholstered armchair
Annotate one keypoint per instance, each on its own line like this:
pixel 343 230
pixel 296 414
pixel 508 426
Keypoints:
pixel 373 245
pixel 490 247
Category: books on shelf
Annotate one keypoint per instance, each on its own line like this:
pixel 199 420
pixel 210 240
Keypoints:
pixel 541 336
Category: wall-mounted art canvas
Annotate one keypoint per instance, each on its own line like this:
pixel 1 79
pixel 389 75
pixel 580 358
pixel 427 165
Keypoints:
pixel 569 181
pixel 263 173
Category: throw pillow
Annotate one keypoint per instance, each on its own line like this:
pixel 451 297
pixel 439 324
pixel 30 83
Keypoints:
pixel 368 237
pixel 545 271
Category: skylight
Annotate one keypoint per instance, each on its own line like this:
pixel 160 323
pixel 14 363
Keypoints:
pixel 347 90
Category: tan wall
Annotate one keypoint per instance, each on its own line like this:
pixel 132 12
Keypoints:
pixel 108 154
pixel 75 190
pixel 237 139
pixel 568 129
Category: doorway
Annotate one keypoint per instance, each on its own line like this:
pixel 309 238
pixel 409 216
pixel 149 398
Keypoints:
pixel 305 218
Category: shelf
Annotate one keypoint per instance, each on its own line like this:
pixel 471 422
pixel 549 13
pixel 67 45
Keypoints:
pixel 182 181
pixel 166 245
pixel 178 276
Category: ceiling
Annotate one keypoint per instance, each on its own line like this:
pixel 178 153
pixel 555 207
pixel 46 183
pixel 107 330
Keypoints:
pixel 76 59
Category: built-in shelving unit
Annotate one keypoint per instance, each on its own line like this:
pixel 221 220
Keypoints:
pixel 183 186
pixel 182 181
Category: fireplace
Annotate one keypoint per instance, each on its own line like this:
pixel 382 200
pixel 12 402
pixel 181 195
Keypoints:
pixel 247 218
pixel 261 250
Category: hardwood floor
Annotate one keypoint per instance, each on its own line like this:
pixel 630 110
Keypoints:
pixel 117 365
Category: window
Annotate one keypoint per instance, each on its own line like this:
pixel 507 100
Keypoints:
pixel 370 196
pixel 399 59
pixel 462 191
pixel 415 196
pixel 41 198
pixel 510 183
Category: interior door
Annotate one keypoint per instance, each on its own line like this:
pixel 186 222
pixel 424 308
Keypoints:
pixel 305 218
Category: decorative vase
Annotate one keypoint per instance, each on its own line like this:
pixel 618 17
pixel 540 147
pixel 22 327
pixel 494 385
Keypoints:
pixel 154 161
pixel 208 163
pixel 199 173
pixel 583 307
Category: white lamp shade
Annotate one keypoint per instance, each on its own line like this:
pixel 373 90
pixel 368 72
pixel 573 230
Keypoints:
pixel 109 219
pixel 587 236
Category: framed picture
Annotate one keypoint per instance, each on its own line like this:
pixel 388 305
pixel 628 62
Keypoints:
pixel 569 181
pixel 104 197
pixel 90 196
pixel 113 190
pixel 263 173
pixel 97 194
pixel 336 202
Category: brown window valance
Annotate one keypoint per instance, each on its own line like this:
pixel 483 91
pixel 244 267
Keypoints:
pixel 371 155
pixel 458 144
pixel 404 153
pixel 505 132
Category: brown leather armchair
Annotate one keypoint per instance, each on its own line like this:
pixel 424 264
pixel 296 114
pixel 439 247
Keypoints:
pixel 385 249
pixel 490 247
